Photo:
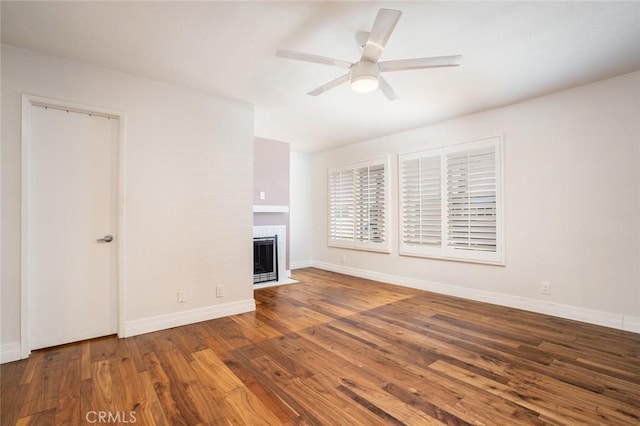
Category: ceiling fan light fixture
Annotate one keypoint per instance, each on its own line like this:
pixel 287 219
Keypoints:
pixel 364 77
pixel 365 83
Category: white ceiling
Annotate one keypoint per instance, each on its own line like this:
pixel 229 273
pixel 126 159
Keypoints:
pixel 512 51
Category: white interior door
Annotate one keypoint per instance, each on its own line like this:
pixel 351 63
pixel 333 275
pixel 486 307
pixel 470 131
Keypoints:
pixel 72 204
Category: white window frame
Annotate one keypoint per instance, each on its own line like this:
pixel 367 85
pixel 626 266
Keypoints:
pixel 351 240
pixel 444 250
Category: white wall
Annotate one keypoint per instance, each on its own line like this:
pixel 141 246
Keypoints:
pixel 301 213
pixel 572 192
pixel 188 190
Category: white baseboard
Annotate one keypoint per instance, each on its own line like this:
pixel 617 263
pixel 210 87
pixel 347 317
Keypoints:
pixel 162 322
pixel 606 319
pixel 630 323
pixel 302 264
pixel 9 352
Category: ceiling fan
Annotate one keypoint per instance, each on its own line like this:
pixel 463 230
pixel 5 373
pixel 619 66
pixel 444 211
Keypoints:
pixel 365 74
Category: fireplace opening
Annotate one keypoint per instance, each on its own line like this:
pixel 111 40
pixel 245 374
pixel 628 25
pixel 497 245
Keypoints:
pixel 265 259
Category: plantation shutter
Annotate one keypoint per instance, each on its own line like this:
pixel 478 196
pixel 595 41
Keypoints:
pixel 370 204
pixel 471 194
pixel 378 204
pixel 358 206
pixel 421 198
pixel 341 211
pixel 362 204
pixel 451 202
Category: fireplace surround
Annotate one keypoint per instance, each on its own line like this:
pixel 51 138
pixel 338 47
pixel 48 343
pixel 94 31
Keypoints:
pixel 284 275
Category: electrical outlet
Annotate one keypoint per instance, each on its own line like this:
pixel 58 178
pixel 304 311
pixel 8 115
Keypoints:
pixel 220 291
pixel 182 296
pixel 344 258
pixel 545 287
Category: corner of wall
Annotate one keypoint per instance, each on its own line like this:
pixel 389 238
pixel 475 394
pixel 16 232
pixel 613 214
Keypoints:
pixel 302 264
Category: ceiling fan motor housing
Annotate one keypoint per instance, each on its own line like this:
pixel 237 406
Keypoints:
pixel 364 76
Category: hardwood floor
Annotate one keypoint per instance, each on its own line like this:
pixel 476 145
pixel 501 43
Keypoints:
pixel 339 350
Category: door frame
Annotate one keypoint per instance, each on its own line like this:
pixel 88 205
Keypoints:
pixel 25 289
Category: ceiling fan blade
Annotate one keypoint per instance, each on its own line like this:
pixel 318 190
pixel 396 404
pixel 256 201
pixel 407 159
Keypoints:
pixel 386 89
pixel 290 54
pixel 383 26
pixel 330 85
pixel 418 63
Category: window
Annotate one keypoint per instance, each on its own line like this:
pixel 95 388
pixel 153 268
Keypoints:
pixel 358 206
pixel 451 202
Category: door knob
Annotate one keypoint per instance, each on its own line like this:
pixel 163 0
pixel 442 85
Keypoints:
pixel 105 239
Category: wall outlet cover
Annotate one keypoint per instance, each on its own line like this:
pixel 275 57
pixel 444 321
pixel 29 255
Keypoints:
pixel 545 287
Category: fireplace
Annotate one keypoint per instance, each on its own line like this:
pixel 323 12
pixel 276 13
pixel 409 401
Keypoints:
pixel 280 253
pixel 265 259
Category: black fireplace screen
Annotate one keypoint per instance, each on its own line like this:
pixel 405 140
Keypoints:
pixel 265 259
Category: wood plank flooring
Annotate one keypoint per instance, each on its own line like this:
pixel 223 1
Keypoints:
pixel 338 350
